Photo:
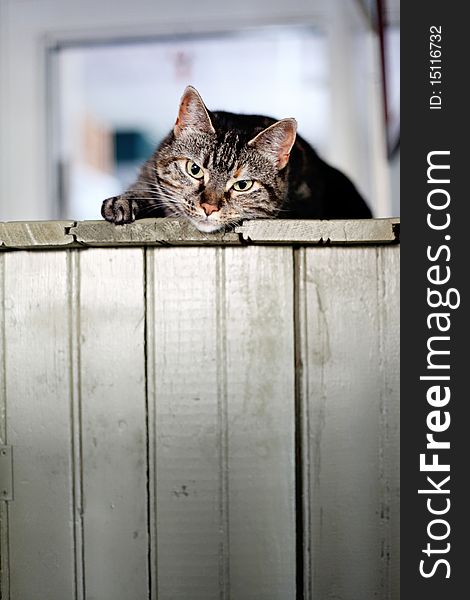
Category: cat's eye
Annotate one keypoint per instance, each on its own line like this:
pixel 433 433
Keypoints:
pixel 194 170
pixel 243 185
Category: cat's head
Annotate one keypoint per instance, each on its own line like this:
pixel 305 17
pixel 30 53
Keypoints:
pixel 217 176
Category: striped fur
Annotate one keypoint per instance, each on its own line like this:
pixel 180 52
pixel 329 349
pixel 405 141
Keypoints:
pixel 289 179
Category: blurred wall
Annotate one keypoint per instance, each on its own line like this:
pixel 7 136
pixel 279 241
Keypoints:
pixel 28 28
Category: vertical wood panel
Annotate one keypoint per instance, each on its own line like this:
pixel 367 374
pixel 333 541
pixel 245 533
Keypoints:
pixel 388 273
pixel 73 274
pixel 184 385
pixel 261 422
pixel 344 342
pixel 113 421
pixel 224 403
pixel 38 408
pixel 4 561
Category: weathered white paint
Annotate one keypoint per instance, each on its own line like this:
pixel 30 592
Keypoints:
pixel 150 399
pixel 388 273
pixel 186 424
pixel 4 552
pixel 113 423
pixel 258 334
pixel 37 391
pixel 342 231
pixel 172 231
pixel 348 309
pixel 223 396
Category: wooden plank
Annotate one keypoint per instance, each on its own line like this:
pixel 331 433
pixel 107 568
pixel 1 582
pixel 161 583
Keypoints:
pixel 259 339
pixel 185 388
pixel 73 264
pixel 286 231
pixel 345 336
pixel 113 421
pixel 388 270
pixel 38 407
pixel 224 417
pixel 4 553
pixel 154 232
pixel 179 232
pixel 35 234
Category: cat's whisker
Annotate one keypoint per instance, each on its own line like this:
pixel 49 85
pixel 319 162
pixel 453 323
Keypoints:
pixel 150 186
pixel 155 199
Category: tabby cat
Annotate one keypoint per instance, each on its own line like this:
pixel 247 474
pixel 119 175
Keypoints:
pixel 218 168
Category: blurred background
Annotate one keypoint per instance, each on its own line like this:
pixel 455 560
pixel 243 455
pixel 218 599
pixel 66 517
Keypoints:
pixel 88 89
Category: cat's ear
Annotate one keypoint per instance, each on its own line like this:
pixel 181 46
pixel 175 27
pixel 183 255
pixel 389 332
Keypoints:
pixel 192 115
pixel 276 141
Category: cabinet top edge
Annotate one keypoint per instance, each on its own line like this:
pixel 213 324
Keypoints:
pixel 21 235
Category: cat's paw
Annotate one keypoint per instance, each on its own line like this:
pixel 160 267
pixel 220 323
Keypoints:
pixel 119 210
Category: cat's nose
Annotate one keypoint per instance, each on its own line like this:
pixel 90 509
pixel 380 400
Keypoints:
pixel 209 208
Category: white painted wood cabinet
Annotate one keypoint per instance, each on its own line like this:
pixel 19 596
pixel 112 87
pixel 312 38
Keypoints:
pixel 212 419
